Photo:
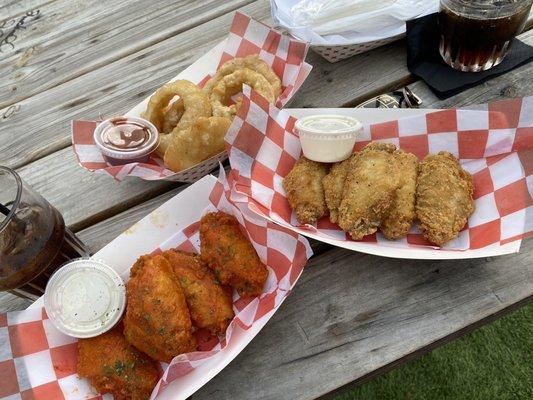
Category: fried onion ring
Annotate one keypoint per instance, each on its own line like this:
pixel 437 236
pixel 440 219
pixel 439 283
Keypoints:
pixel 252 62
pixel 172 115
pixel 191 146
pixel 231 85
pixel 195 102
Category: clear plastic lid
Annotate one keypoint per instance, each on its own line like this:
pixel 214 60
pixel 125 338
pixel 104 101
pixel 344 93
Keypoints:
pixel 85 298
pixel 114 137
pixel 328 126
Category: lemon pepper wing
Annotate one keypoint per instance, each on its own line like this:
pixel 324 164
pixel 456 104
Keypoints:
pixel 444 197
pixel 369 190
pixel 305 192
pixel 398 220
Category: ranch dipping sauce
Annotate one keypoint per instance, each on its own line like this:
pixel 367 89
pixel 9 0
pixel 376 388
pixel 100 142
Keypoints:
pixel 123 140
pixel 85 298
pixel 327 138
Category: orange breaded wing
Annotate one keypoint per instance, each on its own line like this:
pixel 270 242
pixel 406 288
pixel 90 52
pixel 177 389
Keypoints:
pixel 370 187
pixel 228 252
pixel 399 219
pixel 304 189
pixel 209 302
pixel 444 197
pixel 157 319
pixel 333 184
pixel 113 366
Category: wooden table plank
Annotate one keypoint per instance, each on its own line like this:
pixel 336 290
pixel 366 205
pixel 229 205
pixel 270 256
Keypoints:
pixel 351 314
pixel 72 38
pixel 10 9
pixel 515 83
pixel 84 198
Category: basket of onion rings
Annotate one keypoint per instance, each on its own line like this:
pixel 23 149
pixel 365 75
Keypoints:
pixel 193 112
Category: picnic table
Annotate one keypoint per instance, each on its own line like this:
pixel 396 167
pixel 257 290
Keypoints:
pixel 351 316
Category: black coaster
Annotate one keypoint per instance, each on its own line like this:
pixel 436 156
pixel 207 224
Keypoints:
pixel 424 60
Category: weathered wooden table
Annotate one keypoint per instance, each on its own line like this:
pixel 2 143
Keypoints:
pixel 351 316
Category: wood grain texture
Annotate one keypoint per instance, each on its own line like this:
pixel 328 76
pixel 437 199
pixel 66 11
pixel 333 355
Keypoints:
pixel 352 313
pixel 515 83
pixel 72 38
pixel 85 198
pixel 14 8
pixel 111 89
pixel 10 302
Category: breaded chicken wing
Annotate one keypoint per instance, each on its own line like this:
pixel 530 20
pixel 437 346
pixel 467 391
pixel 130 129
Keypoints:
pixel 157 320
pixel 333 184
pixel 400 217
pixel 231 256
pixel 114 366
pixel 209 302
pixel 444 197
pixel 370 187
pixel 304 189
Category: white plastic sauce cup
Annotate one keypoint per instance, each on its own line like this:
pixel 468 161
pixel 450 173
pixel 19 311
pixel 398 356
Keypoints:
pixel 328 138
pixel 85 298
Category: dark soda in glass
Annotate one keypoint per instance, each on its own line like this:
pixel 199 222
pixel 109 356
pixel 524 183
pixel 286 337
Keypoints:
pixel 34 240
pixel 477 34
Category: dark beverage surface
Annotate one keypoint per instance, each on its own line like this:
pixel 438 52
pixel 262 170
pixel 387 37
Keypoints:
pixel 29 244
pixel 481 32
pixel 476 35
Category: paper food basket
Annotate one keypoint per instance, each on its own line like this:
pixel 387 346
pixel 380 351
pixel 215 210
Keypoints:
pixel 39 362
pixel 246 36
pixel 374 23
pixel 493 145
pixel 334 53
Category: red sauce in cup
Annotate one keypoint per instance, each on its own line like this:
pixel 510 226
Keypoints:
pixel 124 140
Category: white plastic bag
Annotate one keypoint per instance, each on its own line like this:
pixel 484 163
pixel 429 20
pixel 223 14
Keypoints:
pixel 340 22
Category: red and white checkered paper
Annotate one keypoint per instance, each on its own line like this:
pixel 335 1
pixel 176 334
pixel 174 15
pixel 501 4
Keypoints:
pixel 38 362
pixel 247 36
pixel 495 146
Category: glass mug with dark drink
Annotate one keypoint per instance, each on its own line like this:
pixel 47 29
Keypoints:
pixel 34 241
pixel 477 34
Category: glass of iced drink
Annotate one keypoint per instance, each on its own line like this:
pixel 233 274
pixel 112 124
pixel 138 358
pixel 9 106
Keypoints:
pixel 34 241
pixel 477 34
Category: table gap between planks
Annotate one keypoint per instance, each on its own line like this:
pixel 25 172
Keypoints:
pixel 352 316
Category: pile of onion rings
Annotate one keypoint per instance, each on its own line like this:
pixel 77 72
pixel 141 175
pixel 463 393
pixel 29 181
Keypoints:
pixel 192 122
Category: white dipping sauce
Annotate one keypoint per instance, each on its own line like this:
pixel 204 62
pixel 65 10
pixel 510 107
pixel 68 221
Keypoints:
pixel 328 138
pixel 85 298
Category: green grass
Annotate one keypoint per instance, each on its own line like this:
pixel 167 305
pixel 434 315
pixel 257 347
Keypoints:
pixel 494 362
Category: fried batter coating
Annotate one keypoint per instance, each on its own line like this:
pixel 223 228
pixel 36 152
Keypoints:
pixel 204 139
pixel 113 366
pixel 172 115
pixel 195 103
pixel 157 319
pixel 444 197
pixel 252 62
pixel 399 219
pixel 305 192
pixel 231 85
pixel 334 186
pixel 231 256
pixel 209 302
pixel 369 190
